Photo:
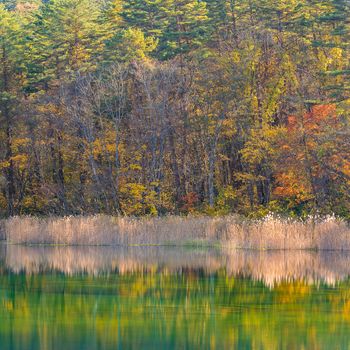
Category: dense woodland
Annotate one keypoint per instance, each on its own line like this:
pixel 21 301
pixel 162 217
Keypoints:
pixel 148 107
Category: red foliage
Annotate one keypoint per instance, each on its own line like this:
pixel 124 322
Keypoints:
pixel 189 201
pixel 319 114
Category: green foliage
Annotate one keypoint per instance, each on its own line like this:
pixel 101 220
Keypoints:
pixel 174 106
pixel 67 37
pixel 130 44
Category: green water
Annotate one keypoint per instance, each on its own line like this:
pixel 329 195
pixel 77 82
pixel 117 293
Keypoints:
pixel 165 299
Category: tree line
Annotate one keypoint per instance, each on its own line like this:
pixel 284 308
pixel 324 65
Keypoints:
pixel 149 107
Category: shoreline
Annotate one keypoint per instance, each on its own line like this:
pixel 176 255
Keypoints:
pixel 270 233
pixel 192 246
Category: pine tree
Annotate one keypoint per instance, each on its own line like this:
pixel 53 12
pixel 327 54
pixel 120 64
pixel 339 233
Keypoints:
pixel 129 37
pixel 188 28
pixel 68 37
pixel 148 15
pixel 337 43
pixel 12 77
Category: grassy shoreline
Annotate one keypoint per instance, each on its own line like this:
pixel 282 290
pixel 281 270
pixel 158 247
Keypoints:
pixel 329 233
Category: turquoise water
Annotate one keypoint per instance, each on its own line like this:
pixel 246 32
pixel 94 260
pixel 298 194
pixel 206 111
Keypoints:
pixel 162 298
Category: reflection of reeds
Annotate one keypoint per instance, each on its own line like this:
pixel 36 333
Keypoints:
pixel 270 233
pixel 274 267
pixel 97 260
pixel 271 267
pixel 2 230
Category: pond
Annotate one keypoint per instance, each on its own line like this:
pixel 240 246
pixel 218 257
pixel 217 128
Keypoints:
pixel 172 298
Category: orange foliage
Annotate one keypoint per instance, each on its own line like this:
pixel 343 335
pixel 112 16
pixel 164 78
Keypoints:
pixel 292 122
pixel 291 186
pixel 319 114
pixel 189 202
pixel 322 115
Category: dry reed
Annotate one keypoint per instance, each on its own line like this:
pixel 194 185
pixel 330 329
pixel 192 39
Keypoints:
pixel 231 231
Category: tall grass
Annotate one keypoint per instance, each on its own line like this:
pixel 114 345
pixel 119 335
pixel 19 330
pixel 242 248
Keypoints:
pixel 107 230
pixel 232 231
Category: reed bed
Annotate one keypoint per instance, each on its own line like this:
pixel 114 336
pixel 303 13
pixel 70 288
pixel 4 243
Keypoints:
pixel 107 230
pixel 329 233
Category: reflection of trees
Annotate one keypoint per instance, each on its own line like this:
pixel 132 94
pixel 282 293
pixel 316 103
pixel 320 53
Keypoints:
pixel 169 310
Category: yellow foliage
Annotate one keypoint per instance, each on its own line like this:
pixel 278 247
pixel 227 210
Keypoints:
pixel 235 57
pixel 226 196
pixel 136 45
pixel 138 199
pixel 4 164
pixel 19 142
pixel 336 53
pixel 97 148
pixel 3 202
pixel 135 167
pixel 20 160
pixel 28 201
pixel 111 148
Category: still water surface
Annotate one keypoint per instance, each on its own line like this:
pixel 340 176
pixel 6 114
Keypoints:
pixel 172 298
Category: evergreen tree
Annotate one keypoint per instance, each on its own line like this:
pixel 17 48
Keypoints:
pixel 148 15
pixel 12 78
pixel 68 38
pixel 337 22
pixel 187 30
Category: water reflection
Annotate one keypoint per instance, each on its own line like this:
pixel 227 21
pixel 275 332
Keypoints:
pixel 270 267
pixel 170 298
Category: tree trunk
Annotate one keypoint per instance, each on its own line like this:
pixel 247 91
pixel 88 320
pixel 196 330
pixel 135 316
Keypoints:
pixel 9 172
pixel 175 168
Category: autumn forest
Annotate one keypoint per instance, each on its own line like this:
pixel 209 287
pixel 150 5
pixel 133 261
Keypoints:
pixel 154 107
